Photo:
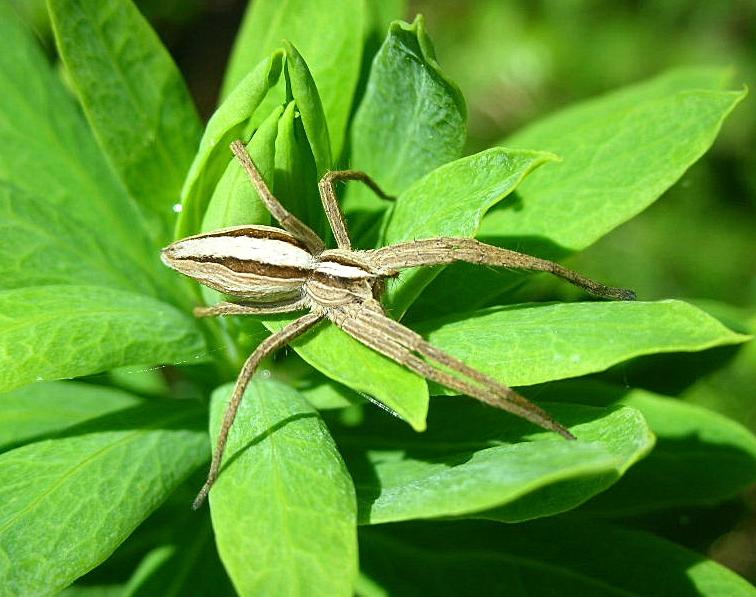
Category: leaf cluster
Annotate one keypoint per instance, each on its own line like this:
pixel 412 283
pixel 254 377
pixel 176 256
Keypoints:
pixel 321 492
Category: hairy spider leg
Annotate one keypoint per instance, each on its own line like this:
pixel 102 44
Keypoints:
pixel 331 204
pixel 266 347
pixel 438 251
pixel 397 342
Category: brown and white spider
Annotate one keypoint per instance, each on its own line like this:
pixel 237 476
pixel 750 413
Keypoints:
pixel 270 270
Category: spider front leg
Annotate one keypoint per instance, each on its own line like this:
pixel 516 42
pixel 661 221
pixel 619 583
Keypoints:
pixel 331 203
pixel 438 251
pixel 266 347
pixel 284 217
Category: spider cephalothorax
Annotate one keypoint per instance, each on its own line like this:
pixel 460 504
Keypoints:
pixel 269 270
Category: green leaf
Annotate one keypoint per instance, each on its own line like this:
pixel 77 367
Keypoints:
pixel 133 95
pixel 310 108
pixel 411 119
pixel 235 201
pixel 532 343
pixel 69 502
pixel 49 332
pixel 474 458
pixel 42 243
pixel 296 180
pixel 700 457
pixel 451 201
pixel 325 394
pixel 283 507
pixel 49 152
pixel 349 362
pixel 37 410
pixel 549 557
pixel 87 590
pixel 226 125
pixel 620 152
pixel 328 33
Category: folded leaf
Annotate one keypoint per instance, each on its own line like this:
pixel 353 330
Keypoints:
pixel 549 557
pixel 528 344
pixel 411 119
pixel 474 458
pixel 52 332
pixel 296 179
pixel 35 411
pixel 310 108
pixel 328 33
pixel 283 507
pixel 133 95
pixel 234 201
pixel 69 502
pixel 226 125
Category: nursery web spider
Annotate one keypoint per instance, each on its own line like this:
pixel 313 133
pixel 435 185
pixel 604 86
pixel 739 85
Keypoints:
pixel 273 270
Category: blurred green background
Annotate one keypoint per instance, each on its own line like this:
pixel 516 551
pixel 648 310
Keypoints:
pixel 517 60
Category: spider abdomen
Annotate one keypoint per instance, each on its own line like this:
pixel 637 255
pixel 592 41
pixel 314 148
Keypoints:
pixel 256 263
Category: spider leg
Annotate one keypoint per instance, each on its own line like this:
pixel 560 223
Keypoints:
pixel 397 342
pixel 269 345
pixel 437 251
pixel 331 203
pixel 226 308
pixel 288 220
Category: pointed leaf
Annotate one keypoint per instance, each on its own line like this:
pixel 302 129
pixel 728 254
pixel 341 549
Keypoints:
pixel 411 119
pixel 328 33
pixel 296 179
pixel 620 152
pixel 49 332
pixel 226 125
pixel 549 557
pixel 474 458
pixel 234 201
pixel 451 201
pixel 532 343
pixel 133 95
pixel 35 411
pixel 69 502
pixel 310 108
pixel 283 507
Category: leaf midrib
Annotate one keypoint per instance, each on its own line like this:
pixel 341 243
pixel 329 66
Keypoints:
pixel 95 455
pixel 167 156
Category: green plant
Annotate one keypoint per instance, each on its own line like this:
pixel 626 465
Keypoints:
pixel 113 459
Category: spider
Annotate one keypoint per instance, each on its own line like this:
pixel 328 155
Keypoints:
pixel 279 270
